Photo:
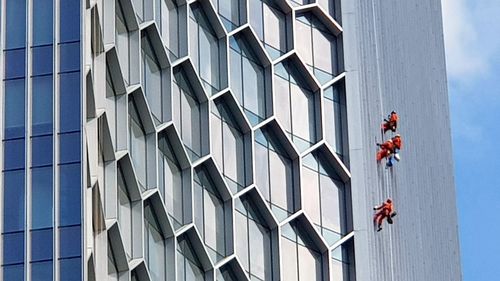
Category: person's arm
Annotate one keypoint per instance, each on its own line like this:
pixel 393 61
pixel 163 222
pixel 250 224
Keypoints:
pixel 378 207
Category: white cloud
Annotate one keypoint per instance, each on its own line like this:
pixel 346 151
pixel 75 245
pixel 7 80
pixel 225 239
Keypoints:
pixel 471 36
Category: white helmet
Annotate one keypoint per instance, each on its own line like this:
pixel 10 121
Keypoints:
pixel 397 157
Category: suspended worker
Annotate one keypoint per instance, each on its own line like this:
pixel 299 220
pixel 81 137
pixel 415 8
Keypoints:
pixel 398 144
pixel 386 150
pixel 391 123
pixel 385 211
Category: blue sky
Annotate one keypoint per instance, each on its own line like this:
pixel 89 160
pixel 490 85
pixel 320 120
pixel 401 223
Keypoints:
pixel 472 38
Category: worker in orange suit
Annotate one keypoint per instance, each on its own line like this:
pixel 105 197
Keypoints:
pixel 391 123
pixel 398 144
pixel 386 149
pixel 385 211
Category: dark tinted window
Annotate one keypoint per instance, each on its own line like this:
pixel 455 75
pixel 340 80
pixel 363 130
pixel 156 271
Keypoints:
pixel 42 22
pixel 70 238
pixel 41 271
pixel 14 103
pixel 70 194
pixel 71 269
pixel 42 60
pixel 70 147
pixel 13 202
pixel 42 106
pixel 41 197
pixel 70 102
pixel 70 57
pixel 41 244
pixel 13 272
pixel 70 16
pixel 13 248
pixel 15 62
pixel 16 24
pixel 41 151
pixel 14 154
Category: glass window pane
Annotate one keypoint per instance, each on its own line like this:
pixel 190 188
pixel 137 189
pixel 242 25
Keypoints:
pixel 41 271
pixel 42 197
pixel 70 194
pixel 13 272
pixel 310 264
pixel 14 104
pixel 290 259
pixel 13 202
pixel 311 195
pixel 70 57
pixel 41 244
pixel 330 204
pixel 41 151
pixel 42 60
pixel 70 147
pixel 241 238
pixel 15 24
pixel 13 248
pixel 42 22
pixel 15 63
pixel 42 106
pixel 70 15
pixel 262 170
pixel 70 241
pixel 71 269
pixel 70 102
pixel 14 154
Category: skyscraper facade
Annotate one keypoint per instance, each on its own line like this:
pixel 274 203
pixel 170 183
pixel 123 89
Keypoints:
pixel 222 140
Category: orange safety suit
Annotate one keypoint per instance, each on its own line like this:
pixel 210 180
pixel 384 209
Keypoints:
pixel 392 123
pixel 386 149
pixel 385 211
pixel 398 142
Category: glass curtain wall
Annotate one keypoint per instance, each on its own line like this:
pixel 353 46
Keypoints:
pixel 209 214
pixel 301 262
pixel 228 146
pixel 152 80
pixel 274 174
pixel 297 110
pixel 253 242
pixel 317 47
pixel 247 79
pixel 154 245
pixel 323 197
pixel 205 49
pixel 231 12
pixel 189 267
pixel 270 24
pixel 122 41
pixel 14 142
pixel 137 144
pixel 336 117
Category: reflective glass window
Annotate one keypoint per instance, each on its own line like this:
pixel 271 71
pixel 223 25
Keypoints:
pixel 13 201
pixel 137 144
pixel 125 214
pixel 70 101
pixel 230 12
pixel 254 245
pixel 42 60
pixel 14 154
pixel 229 141
pixel 154 242
pixel 41 244
pixel 42 271
pixel 70 147
pixel 42 105
pixel 152 80
pixel 172 182
pixel 298 104
pixel 14 104
pixel 15 24
pixel 70 194
pixel 187 113
pixel 13 248
pixel 13 272
pixel 42 197
pixel 319 48
pixel 42 22
pixel 70 269
pixel 122 41
pixel 210 216
pixel 189 267
pixel 170 27
pixel 41 151
pixel 270 24
pixel 206 46
pixel 340 263
pixel 70 57
pixel 247 79
pixel 335 117
pixel 15 63
pixel 70 11
pixel 70 241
